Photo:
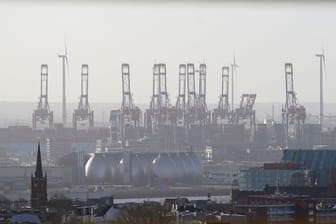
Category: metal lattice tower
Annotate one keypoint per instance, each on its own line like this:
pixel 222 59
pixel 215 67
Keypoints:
pixel 293 115
pixel 222 114
pixel 42 115
pixel 83 114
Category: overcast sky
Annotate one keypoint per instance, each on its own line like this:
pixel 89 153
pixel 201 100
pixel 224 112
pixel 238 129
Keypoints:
pixel 261 36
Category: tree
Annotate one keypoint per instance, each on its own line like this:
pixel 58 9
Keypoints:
pixel 147 213
pixel 58 207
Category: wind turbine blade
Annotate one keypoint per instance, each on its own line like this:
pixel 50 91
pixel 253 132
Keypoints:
pixel 234 62
pixel 324 67
pixel 67 65
pixel 324 64
pixel 322 55
pixel 65 49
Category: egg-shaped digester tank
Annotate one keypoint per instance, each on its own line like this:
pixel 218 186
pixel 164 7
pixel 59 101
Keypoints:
pixel 96 169
pixel 179 167
pixel 145 165
pixel 112 163
pixel 130 168
pixel 189 167
pixel 198 167
pixel 164 169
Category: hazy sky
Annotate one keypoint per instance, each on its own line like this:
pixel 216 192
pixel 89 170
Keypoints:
pixel 262 36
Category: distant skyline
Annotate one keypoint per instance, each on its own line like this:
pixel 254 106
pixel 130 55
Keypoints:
pixel 262 37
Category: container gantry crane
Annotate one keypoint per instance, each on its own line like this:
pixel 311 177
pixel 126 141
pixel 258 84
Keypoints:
pixel 222 114
pixel 83 115
pixel 245 113
pixel 293 114
pixel 43 116
pixel 130 114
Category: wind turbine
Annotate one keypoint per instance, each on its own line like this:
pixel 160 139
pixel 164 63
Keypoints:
pixel 234 67
pixel 65 62
pixel 322 67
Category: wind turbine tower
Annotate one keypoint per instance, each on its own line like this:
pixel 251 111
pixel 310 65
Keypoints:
pixel 234 67
pixel 65 62
pixel 322 67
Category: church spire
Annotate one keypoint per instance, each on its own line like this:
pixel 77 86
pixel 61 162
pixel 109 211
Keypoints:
pixel 38 169
pixel 39 195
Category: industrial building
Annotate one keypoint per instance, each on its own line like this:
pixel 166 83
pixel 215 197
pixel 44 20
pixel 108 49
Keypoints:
pixel 320 163
pixel 298 167
pixel 285 174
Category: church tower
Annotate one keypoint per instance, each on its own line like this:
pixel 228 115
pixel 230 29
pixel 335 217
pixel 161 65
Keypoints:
pixel 38 196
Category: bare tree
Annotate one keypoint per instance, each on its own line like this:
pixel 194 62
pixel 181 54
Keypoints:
pixel 145 214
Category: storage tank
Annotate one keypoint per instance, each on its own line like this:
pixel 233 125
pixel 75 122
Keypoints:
pixel 189 167
pixel 112 163
pixel 145 164
pixel 164 170
pixel 198 167
pixel 96 169
pixel 179 166
pixel 130 169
